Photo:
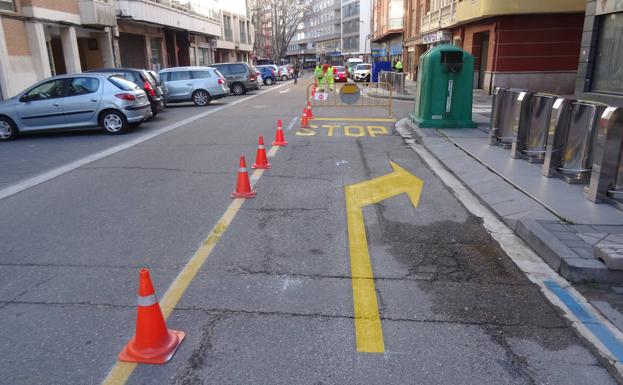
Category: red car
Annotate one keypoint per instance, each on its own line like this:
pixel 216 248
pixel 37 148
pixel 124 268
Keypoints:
pixel 341 74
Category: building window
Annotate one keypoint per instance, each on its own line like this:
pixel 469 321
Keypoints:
pixel 608 72
pixel 7 5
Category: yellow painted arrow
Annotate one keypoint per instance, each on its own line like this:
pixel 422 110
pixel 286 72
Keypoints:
pixel 367 320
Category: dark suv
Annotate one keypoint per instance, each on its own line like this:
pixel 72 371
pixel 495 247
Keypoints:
pixel 142 79
pixel 240 77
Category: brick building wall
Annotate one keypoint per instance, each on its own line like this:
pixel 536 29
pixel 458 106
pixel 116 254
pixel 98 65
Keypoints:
pixel 526 51
pixel 15 36
pixel 69 6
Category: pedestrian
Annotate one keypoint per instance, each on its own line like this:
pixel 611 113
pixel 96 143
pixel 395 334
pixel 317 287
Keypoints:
pixel 295 71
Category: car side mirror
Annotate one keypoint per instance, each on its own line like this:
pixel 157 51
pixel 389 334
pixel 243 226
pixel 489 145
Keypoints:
pixel 24 99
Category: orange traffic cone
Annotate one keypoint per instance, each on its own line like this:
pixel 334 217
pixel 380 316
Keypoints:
pixel 304 122
pixel 153 343
pixel 310 114
pixel 260 159
pixel 280 140
pixel 243 186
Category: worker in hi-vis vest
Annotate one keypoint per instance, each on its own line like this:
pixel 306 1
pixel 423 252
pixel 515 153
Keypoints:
pixel 330 76
pixel 318 74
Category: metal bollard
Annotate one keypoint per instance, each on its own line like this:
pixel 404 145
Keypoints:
pixel 532 132
pixel 571 154
pixel 606 182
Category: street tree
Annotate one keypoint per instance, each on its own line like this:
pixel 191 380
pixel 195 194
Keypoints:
pixel 283 18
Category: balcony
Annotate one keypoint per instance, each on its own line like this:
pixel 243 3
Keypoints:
pixel 395 23
pixel 476 9
pixel 98 12
pixel 440 18
pixel 189 15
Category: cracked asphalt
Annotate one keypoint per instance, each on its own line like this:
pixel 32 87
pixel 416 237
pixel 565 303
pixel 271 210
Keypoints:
pixel 273 304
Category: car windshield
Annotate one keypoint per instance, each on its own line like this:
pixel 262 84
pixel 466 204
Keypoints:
pixel 122 83
pixel 363 66
pixel 340 69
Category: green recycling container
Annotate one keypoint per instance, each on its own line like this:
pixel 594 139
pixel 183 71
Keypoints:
pixel 444 92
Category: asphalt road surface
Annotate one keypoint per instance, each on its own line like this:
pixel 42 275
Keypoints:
pixel 275 301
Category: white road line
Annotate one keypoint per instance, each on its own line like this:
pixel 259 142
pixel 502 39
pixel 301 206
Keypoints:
pixel 535 269
pixel 291 124
pixel 284 91
pixel 48 175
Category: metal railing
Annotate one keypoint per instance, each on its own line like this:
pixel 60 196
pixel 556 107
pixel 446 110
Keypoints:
pixel 351 95
pixel 396 80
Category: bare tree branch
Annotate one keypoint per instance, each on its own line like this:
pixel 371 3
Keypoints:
pixel 284 18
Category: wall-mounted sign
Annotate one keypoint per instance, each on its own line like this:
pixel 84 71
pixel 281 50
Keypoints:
pixel 395 50
pixel 608 6
pixel 378 52
pixel 437 37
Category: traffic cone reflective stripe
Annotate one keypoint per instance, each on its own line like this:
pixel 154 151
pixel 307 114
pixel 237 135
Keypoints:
pixel 152 343
pixel 243 185
pixel 280 140
pixel 310 114
pixel 260 159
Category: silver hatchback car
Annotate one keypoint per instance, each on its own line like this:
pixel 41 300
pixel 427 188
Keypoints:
pixel 199 85
pixel 74 102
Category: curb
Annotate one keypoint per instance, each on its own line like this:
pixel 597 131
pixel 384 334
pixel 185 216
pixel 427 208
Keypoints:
pixel 527 225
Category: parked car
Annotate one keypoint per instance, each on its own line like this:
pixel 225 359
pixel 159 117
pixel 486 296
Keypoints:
pixel 284 73
pixel 200 85
pixel 142 79
pixel 160 83
pixel 268 74
pixel 276 71
pixel 74 102
pixel 341 74
pixel 240 76
pixel 362 72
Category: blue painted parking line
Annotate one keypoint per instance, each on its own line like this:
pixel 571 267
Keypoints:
pixel 598 329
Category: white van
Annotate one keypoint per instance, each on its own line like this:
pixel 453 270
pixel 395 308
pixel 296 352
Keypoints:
pixel 351 64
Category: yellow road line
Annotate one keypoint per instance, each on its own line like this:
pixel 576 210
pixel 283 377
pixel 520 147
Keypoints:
pixel 368 330
pixel 357 119
pixel 120 373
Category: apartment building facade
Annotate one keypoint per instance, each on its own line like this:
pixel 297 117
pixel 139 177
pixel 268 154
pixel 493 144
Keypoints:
pixel 41 38
pixel 236 39
pixel 387 26
pixel 530 44
pixel 333 31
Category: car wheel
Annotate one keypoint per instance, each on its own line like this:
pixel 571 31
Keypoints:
pixel 237 89
pixel 8 131
pixel 284 77
pixel 201 98
pixel 113 122
pixel 269 81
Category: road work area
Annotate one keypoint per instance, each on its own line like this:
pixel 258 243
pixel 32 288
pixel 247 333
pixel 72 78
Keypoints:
pixel 354 264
